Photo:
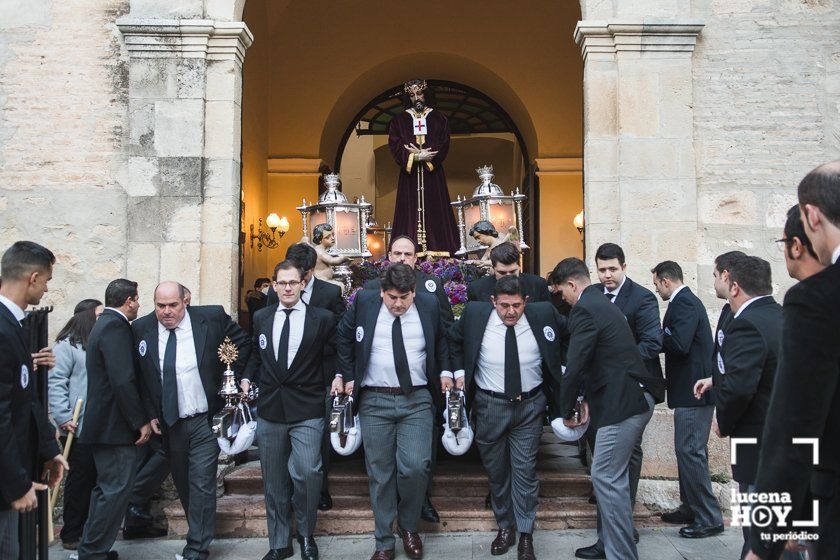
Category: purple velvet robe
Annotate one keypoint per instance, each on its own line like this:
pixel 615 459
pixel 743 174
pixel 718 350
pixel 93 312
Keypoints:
pixel 441 231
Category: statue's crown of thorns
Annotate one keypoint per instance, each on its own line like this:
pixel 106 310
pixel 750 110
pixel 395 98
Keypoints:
pixel 414 86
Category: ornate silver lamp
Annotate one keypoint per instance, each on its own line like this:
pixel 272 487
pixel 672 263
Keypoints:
pixel 489 202
pixel 348 221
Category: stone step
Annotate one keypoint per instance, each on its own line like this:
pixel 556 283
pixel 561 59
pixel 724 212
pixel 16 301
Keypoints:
pixel 468 481
pixel 244 516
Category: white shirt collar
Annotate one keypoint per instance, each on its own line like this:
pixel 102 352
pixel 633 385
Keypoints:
pixel 606 291
pixel 835 255
pixel 117 311
pixel 676 292
pixel 495 320
pixel 13 307
pixel 185 323
pixel 309 285
pixel 300 306
pixel 746 304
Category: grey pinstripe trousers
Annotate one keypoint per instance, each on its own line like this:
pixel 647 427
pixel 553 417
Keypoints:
pixel 691 436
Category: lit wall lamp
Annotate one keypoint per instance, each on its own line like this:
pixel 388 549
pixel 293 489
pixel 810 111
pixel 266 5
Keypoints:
pixel 578 223
pixel 276 224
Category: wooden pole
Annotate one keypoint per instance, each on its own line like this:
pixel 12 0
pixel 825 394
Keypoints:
pixel 66 453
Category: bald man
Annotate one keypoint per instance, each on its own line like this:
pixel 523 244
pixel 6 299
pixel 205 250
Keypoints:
pixel 177 349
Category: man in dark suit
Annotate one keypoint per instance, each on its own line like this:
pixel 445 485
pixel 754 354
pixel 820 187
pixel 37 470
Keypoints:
pixel 117 415
pixel 805 402
pixel 324 295
pixel 177 351
pixel 504 260
pixel 721 285
pixel 392 351
pixel 403 250
pixel 509 354
pixel 642 313
pixel 291 340
pixel 603 362
pixel 687 346
pixel 26 437
pixel 745 368
pixel 800 258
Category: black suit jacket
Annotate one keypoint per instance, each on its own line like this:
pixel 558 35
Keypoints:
pixel 25 430
pixel 604 361
pixel 353 345
pixel 296 393
pixel 547 325
pixel 536 288
pixel 642 312
pixel 687 344
pixel 117 400
pixel 743 379
pixel 805 402
pixel 429 284
pixel 210 325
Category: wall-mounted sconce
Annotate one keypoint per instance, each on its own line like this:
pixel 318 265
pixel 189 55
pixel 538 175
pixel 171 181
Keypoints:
pixel 276 224
pixel 578 223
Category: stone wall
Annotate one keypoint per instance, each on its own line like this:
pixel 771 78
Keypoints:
pixel 63 86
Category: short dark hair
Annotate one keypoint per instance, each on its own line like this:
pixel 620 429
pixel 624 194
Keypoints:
pixel 794 228
pixel 752 275
pixel 23 258
pixel 318 233
pixel 821 188
pixel 303 254
pixel 260 281
pixel 505 253
pixel 118 291
pixel 724 261
pixel 397 238
pixel 510 286
pixel 570 267
pixel 484 227
pixel 609 251
pixel 668 269
pixel 398 277
pixel 78 328
pixel 287 265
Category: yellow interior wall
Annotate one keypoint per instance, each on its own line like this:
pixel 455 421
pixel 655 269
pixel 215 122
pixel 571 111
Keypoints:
pixel 285 194
pixel 561 198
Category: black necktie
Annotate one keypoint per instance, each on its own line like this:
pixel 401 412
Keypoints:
pixel 400 357
pixel 513 375
pixel 283 349
pixel 611 296
pixel 170 382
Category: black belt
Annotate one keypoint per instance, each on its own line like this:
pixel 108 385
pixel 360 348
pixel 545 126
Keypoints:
pixel 521 397
pixel 391 390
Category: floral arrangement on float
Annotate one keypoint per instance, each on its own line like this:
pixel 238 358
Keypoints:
pixel 454 274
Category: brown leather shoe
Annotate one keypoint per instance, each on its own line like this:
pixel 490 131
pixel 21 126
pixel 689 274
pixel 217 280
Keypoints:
pixel 412 544
pixel 505 539
pixel 526 547
pixel 383 555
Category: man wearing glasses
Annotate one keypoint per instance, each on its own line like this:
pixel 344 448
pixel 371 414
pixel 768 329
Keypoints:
pixel 800 258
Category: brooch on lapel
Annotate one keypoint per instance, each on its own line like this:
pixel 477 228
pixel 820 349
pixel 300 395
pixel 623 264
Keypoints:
pixel 667 331
pixel 720 337
pixel 548 333
pixel 721 367
pixel 360 333
pixel 263 342
pixel 431 286
pixel 24 376
pixel 141 348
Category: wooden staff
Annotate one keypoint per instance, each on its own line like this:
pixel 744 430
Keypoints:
pixel 65 453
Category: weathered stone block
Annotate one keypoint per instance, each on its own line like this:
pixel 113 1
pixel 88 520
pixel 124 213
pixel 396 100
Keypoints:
pixel 153 78
pixel 182 262
pixel 600 108
pixel 142 176
pixel 141 125
pixel 221 177
pixel 184 224
pixel 180 176
pixel 647 159
pixel 638 103
pixel 728 207
pixel 25 13
pixel 658 201
pixel 179 127
pixel 220 220
pixel 149 217
pixel 224 81
pixel 167 9
pixel 223 130
pixel 216 286
pixel 600 159
pixel 778 205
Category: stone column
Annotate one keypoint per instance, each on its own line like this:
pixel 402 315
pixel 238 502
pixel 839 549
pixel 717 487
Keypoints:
pixel 183 146
pixel 639 172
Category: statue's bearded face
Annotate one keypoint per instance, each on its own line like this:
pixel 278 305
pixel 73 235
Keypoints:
pixel 418 100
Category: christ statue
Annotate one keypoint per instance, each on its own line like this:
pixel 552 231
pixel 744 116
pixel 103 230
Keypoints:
pixel 419 141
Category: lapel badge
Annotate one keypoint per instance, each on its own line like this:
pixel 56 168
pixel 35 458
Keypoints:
pixel 720 337
pixel 721 367
pixel 431 286
pixel 24 376
pixel 141 348
pixel 667 331
pixel 548 333
pixel 263 342
pixel 360 333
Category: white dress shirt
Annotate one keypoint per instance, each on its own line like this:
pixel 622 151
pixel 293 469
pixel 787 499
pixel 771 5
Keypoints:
pixel 615 292
pixel 297 318
pixel 490 370
pixel 835 255
pixel 745 305
pixel 14 308
pixel 306 292
pixel 120 313
pixel 381 370
pixel 191 397
pixel 674 294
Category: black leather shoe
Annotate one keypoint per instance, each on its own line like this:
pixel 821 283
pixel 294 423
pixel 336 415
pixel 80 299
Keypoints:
pixel 428 512
pixel 325 501
pixel 525 549
pixel 695 531
pixel 148 532
pixel 591 552
pixel 505 539
pixel 139 513
pixel 680 516
pixel 308 548
pixel 279 553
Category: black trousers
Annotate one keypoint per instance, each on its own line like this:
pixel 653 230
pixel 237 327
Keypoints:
pixel 81 478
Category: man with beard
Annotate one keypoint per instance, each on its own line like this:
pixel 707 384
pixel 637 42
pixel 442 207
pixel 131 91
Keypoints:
pixel 419 142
